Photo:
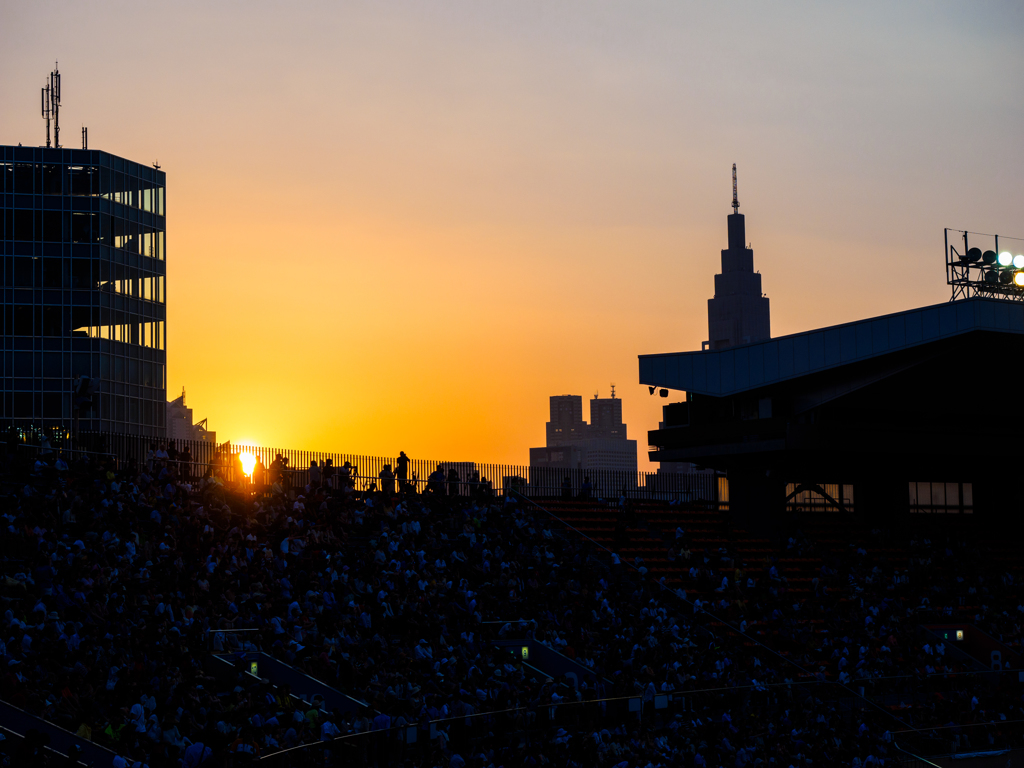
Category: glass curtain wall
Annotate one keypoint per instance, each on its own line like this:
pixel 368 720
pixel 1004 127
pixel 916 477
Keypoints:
pixel 84 250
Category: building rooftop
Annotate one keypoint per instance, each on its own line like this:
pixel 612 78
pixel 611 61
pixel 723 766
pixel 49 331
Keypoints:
pixel 763 363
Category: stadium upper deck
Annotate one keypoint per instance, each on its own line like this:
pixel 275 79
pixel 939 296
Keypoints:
pixel 881 405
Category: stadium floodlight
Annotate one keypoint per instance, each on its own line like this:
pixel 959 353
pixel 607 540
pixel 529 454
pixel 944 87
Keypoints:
pixel 993 272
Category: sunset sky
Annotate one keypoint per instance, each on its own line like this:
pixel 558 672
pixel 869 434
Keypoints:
pixel 402 226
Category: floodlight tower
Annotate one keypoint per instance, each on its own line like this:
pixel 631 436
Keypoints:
pixel 984 265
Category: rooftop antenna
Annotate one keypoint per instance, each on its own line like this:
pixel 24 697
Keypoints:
pixel 45 98
pixel 735 200
pixel 613 391
pixel 85 137
pixel 55 104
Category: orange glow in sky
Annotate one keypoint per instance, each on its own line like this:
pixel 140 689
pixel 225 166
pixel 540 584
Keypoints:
pixel 402 226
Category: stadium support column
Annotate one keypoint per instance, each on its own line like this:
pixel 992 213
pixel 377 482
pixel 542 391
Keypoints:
pixel 881 501
pixel 757 497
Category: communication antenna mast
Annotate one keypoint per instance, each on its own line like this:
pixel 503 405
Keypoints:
pixel 613 391
pixel 51 107
pixel 85 137
pixel 46 111
pixel 55 103
pixel 735 200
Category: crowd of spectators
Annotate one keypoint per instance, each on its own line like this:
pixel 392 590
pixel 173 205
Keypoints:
pixel 121 578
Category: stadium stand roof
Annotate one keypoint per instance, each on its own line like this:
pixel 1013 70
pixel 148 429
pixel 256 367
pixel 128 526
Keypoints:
pixel 750 366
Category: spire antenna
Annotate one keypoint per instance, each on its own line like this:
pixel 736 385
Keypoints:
pixel 735 200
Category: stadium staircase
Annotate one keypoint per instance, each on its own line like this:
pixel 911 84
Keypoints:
pixel 24 732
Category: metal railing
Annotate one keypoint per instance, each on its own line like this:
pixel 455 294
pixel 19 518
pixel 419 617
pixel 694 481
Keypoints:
pixel 460 477
pixel 507 728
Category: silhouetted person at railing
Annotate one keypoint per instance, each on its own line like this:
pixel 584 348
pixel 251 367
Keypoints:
pixel 185 460
pixel 585 489
pixel 328 471
pixel 453 481
pixel 567 488
pixel 435 482
pixel 345 474
pixel 485 491
pixel 314 475
pixel 279 471
pixel 387 480
pixel 276 468
pixel 402 471
pixel 259 475
pixel 160 457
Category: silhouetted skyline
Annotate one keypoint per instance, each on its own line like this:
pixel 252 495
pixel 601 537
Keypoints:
pixel 407 225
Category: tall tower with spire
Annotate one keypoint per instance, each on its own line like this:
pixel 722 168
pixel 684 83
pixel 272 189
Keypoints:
pixel 738 314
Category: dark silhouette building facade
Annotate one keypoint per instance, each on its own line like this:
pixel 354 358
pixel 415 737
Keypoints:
pixel 83 239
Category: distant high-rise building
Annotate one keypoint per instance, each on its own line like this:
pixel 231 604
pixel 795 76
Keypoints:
pixel 566 422
pixel 180 425
pixel 606 418
pixel 574 444
pixel 738 313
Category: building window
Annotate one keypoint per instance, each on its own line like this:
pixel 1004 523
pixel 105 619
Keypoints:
pixel 23 404
pixel 941 498
pixel 811 498
pixel 22 321
pixel 22 272
pixel 52 325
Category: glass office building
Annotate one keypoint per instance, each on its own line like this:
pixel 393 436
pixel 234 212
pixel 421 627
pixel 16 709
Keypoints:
pixel 84 285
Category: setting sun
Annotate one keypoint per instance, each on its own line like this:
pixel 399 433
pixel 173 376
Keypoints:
pixel 248 463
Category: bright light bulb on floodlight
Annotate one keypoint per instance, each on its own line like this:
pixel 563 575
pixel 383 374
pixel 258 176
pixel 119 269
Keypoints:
pixel 248 463
pixel 1018 261
pixel 1018 279
pixel 1005 259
